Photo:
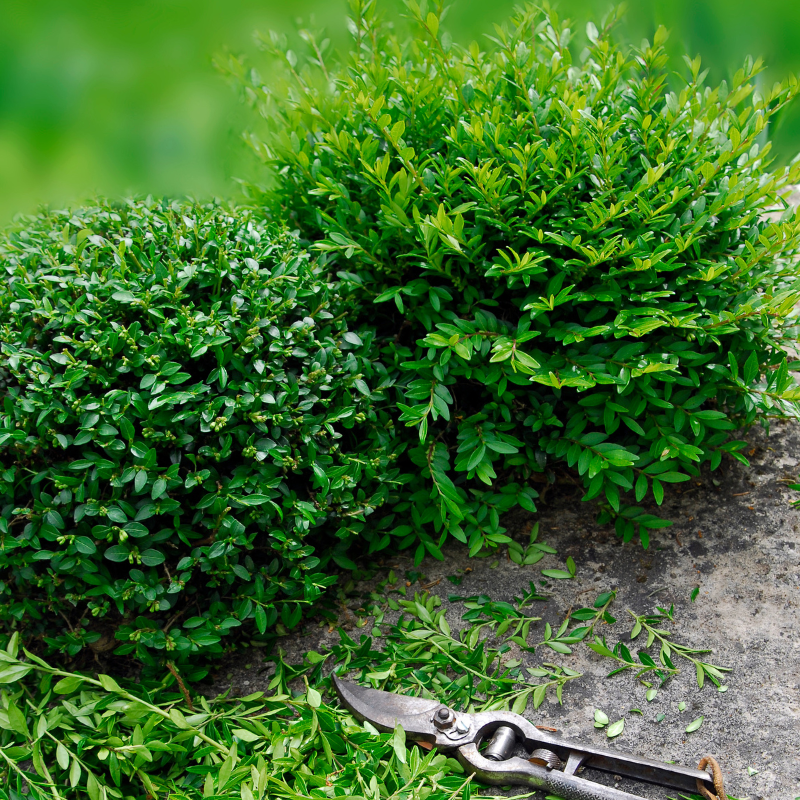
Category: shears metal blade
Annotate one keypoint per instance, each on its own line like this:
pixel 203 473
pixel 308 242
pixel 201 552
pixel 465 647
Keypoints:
pixel 486 744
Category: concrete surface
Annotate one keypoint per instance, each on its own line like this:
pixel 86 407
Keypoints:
pixel 736 537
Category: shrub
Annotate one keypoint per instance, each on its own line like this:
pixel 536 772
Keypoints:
pixel 183 408
pixel 572 260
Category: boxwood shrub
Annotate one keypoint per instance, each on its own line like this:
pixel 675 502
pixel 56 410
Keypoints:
pixel 183 406
pixel 580 264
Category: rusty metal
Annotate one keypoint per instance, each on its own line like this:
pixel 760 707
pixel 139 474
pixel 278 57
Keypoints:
pixel 552 762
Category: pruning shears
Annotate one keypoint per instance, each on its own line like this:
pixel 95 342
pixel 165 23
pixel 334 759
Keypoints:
pixel 486 744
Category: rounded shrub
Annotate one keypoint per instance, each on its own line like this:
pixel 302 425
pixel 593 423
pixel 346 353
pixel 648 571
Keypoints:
pixel 578 265
pixel 189 434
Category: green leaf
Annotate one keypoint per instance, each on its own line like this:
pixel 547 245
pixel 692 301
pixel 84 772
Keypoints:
pixel 92 786
pixel 253 500
pixel 152 557
pixel 389 294
pixel 600 649
pixel 178 719
pixel 74 773
pixel 399 744
pixel 658 491
pixel 11 673
pixel 520 703
pixel 140 480
pixel 261 619
pixel 558 574
pixel 694 725
pixel 245 735
pixel 85 545
pixel 118 552
pixel 123 297
pixel 109 684
pixel 62 756
pixel 750 372
pixel 600 717
pixel 602 599
pixel 502 447
pixel 81 464
pixel 646 659
pixel 68 685
pixel 12 647
pixel 313 697
pixel 615 728
pixel 16 719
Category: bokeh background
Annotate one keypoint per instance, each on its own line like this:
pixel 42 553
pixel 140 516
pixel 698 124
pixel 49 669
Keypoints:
pixel 99 96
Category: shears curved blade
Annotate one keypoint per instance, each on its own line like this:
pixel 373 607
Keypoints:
pixel 551 762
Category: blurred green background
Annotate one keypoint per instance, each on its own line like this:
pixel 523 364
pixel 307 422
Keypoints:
pixel 112 97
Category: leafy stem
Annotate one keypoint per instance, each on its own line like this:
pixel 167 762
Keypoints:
pixel 108 684
pixel 669 647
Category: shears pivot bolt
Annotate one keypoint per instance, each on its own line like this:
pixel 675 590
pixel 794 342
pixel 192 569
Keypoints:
pixel 444 718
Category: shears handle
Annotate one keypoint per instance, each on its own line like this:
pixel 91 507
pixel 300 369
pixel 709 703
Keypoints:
pixel 519 771
pixel 553 761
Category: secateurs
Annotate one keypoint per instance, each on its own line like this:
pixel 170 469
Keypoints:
pixel 486 742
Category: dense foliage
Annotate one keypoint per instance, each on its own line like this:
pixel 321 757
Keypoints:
pixel 572 260
pixel 525 265
pixel 183 408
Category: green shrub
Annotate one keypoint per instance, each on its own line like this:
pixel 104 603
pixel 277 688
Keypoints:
pixel 183 408
pixel 571 258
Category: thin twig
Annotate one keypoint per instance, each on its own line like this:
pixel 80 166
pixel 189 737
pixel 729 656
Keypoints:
pixel 184 691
